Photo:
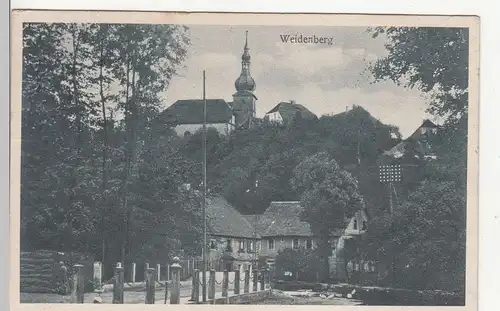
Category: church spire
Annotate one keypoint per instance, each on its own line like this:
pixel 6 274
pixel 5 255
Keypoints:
pixel 245 82
pixel 246 40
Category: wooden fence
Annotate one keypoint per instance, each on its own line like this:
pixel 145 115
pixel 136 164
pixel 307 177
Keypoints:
pixel 259 279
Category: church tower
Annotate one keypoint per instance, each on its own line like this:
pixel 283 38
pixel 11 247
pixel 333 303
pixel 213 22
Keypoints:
pixel 244 99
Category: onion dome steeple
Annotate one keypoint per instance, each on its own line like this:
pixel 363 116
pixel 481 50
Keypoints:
pixel 245 82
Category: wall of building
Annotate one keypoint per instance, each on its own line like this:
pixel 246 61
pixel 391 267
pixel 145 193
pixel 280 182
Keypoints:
pixel 281 243
pixel 243 257
pixel 243 107
pixel 222 128
pixel 274 117
pixel 357 226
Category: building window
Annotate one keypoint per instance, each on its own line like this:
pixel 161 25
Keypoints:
pixel 364 225
pixel 270 244
pixel 295 244
pixel 309 244
pixel 242 245
pixel 334 244
pixel 213 244
pixel 282 240
pixel 229 247
pixel 250 246
pixel 355 224
pixel 257 246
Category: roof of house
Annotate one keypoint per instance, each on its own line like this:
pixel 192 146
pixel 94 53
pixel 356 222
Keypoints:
pixel 190 111
pixel 428 123
pixel 289 110
pixel 400 148
pixel 224 220
pixel 397 151
pixel 284 219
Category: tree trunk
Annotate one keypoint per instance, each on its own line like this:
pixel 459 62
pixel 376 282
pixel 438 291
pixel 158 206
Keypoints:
pixel 104 209
pixel 325 251
pixel 127 167
pixel 78 140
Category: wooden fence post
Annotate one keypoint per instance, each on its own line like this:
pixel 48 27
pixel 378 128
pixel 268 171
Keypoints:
pixel 166 291
pixel 211 285
pixel 193 286
pixel 196 285
pixel 269 278
pixel 168 273
pixel 118 285
pixel 255 280
pixel 133 272
pixel 158 272
pixel 176 280
pixel 225 283
pixel 77 292
pixel 150 286
pixel 97 275
pixel 236 281
pixel 246 286
pixel 262 279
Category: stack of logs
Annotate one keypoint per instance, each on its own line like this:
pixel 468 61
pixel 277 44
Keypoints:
pixel 39 269
pixel 37 272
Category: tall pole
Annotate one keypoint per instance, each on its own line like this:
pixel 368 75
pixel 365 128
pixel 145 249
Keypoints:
pixel 204 249
pixel 390 174
pixel 391 209
pixel 255 230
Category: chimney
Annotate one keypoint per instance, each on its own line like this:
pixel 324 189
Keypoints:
pixel 292 102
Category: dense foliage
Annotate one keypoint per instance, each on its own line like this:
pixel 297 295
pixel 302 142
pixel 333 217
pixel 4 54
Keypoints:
pixel 95 173
pixel 303 264
pixel 427 230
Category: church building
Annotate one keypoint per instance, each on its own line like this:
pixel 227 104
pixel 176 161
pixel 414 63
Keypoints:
pixel 186 116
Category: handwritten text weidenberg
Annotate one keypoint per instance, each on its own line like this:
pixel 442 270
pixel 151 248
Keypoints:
pixel 299 38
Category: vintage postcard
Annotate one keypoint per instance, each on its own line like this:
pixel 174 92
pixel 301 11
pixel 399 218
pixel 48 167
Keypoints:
pixel 244 159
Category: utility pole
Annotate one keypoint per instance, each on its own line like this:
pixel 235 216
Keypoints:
pixel 255 232
pixel 390 174
pixel 204 249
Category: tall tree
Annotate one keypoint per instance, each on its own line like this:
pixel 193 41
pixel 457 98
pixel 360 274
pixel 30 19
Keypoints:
pixel 148 61
pixel 432 59
pixel 430 222
pixel 330 197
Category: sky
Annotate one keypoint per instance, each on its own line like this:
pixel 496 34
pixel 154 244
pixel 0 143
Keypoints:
pixel 325 78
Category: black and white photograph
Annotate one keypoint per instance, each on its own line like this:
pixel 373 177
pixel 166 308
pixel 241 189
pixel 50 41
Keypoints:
pixel 236 163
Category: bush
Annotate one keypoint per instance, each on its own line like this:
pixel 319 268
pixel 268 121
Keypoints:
pixel 305 265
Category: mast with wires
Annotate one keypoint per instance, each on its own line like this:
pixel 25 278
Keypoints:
pixel 390 174
pixel 204 146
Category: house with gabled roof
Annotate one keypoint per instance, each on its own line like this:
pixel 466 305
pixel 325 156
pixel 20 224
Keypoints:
pixel 238 241
pixel 232 237
pixel 285 112
pixel 186 116
pixel 420 141
pixel 282 226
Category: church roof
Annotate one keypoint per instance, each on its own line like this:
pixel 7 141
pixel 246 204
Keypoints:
pixel 288 111
pixel 245 82
pixel 190 111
